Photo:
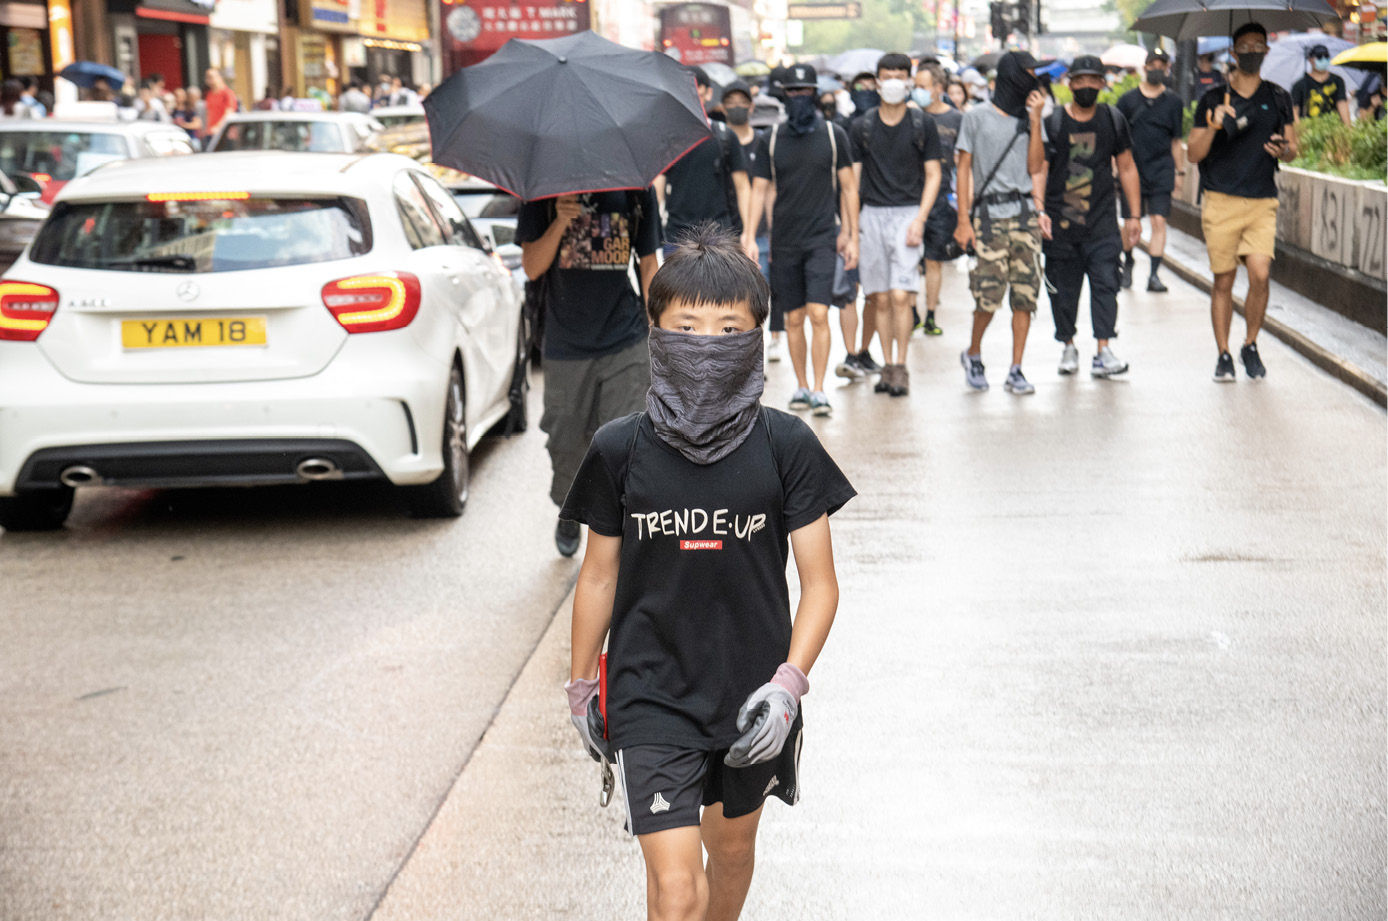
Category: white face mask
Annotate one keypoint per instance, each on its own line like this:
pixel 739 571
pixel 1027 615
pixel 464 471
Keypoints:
pixel 893 91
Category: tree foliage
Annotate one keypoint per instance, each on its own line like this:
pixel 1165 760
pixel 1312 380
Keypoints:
pixel 886 24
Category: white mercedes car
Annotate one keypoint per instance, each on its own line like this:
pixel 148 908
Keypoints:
pixel 254 318
pixel 318 132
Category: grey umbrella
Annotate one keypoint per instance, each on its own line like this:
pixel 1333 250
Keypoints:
pixel 1188 19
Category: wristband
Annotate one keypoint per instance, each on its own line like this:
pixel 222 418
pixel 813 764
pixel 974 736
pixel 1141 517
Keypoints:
pixel 792 679
pixel 580 691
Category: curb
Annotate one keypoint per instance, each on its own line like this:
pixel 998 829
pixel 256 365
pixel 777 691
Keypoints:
pixel 1317 354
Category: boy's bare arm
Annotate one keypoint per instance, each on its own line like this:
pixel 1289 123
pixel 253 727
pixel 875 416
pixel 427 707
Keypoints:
pixel 819 593
pixel 593 595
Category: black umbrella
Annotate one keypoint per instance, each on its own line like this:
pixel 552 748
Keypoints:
pixel 1188 19
pixel 564 115
pixel 986 61
pixel 86 73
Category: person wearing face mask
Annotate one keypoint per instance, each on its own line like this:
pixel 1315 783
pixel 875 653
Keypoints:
pixel 939 227
pixel 1239 135
pixel 737 107
pixel 1320 92
pixel 805 169
pixel 1086 143
pixel 1001 186
pixel 692 508
pixel 863 91
pixel 1155 115
pixel 896 153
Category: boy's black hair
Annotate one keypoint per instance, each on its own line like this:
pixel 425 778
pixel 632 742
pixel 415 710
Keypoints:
pixel 700 77
pixel 708 266
pixel 1248 27
pixel 893 60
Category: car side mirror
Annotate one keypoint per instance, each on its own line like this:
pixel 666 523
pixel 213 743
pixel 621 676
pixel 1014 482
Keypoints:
pixel 26 184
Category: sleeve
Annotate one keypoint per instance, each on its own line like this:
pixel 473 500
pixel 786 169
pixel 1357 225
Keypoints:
pixel 857 142
pixel 1202 112
pixel 931 150
pixel 761 167
pixel 964 140
pixel 1284 108
pixel 1123 139
pixel 733 160
pixel 812 483
pixel 532 221
pixel 648 230
pixel 595 497
pixel 845 160
pixel 1178 117
pixel 1298 95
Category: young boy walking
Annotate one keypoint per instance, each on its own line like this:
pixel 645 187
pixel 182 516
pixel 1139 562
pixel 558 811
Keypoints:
pixel 692 507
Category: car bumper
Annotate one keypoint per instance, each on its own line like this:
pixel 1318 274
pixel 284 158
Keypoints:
pixel 195 434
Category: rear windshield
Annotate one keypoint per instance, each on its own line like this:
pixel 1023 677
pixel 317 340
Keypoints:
pixel 202 236
pixel 63 155
pixel 295 135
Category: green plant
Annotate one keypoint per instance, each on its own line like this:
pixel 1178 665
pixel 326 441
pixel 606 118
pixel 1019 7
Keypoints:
pixel 1327 145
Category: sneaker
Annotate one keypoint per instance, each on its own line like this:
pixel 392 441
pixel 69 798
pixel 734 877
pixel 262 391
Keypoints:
pixel 1125 273
pixel 566 535
pixel 884 380
pixel 900 385
pixel 773 350
pixel 1224 369
pixel 1252 364
pixel 930 328
pixel 1154 284
pixel 819 404
pixel 867 364
pixel 973 371
pixel 1017 384
pixel 850 368
pixel 1069 360
pixel 1107 364
pixel 800 399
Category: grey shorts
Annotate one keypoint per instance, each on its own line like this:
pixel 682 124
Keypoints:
pixel 885 262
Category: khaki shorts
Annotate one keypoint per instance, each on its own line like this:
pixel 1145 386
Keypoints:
pixel 1236 227
pixel 1008 261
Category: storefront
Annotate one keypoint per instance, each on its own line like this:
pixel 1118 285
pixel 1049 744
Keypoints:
pixel 394 36
pixel 164 37
pixel 317 46
pixel 473 30
pixel 243 42
pixel 24 42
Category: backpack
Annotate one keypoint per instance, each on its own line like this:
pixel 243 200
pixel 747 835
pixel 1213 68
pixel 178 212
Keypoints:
pixel 833 155
pixel 1056 121
pixel 916 116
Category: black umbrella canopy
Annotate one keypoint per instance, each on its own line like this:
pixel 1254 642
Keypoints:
pixel 1188 19
pixel 564 115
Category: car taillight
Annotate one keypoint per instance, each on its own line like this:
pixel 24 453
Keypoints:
pixel 371 303
pixel 25 309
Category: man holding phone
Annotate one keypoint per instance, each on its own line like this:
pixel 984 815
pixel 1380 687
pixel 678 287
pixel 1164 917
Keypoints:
pixel 1240 133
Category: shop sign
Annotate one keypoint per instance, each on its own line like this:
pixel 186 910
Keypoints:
pixel 329 15
pixel 246 16
pixel 60 33
pixel 26 52
pixel 398 19
pixel 486 25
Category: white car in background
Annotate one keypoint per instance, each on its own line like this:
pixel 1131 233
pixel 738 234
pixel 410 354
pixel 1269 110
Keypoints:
pixel 53 152
pixel 280 318
pixel 395 116
pixel 318 132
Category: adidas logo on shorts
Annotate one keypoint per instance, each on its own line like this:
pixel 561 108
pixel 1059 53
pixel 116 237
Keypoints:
pixel 659 805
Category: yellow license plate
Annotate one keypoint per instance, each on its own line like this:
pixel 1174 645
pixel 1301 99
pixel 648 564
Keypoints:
pixel 167 334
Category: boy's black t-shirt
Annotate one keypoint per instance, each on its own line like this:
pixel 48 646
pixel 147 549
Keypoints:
pixel 701 616
pixel 1313 98
pixel 1154 123
pixel 749 156
pixel 591 308
pixel 805 215
pixel 1240 166
pixel 1079 184
pixel 893 157
pixel 699 185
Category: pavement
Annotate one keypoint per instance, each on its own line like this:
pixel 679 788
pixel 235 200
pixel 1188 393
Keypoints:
pixel 1112 650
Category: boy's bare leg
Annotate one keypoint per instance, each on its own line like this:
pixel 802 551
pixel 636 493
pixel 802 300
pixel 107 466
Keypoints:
pixel 676 887
pixel 869 324
pixel 795 343
pixel 981 320
pixel 902 323
pixel 1021 325
pixel 819 342
pixel 848 325
pixel 932 285
pixel 1222 307
pixel 731 846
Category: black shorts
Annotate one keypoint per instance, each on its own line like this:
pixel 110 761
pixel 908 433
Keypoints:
pixel 939 230
pixel 665 785
pixel 1158 203
pixel 802 276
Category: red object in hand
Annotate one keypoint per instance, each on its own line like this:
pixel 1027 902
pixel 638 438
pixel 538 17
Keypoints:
pixel 602 692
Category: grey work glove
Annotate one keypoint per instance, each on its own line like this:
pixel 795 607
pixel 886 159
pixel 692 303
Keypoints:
pixel 766 717
pixel 582 693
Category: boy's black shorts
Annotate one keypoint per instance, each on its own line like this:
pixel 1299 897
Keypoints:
pixel 665 785
pixel 1158 203
pixel 802 276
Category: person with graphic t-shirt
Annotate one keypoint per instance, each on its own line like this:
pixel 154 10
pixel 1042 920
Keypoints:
pixel 896 154
pixel 1086 142
pixel 806 165
pixel 930 94
pixel 1320 92
pixel 709 183
pixel 596 365
pixel 692 508
pixel 1239 135
pixel 1155 116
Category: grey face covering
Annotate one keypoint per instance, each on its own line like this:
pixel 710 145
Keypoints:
pixel 705 391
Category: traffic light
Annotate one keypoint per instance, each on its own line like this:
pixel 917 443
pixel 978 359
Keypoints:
pixel 997 20
pixel 1021 17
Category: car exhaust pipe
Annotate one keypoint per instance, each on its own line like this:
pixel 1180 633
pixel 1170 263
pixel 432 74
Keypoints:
pixel 78 475
pixel 318 468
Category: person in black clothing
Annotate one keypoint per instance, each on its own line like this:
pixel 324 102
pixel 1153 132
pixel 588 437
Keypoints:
pixel 596 364
pixel 1239 135
pixel 1320 92
pixel 693 507
pixel 1155 117
pixel 931 95
pixel 806 164
pixel 1085 142
pixel 737 107
pixel 1207 76
pixel 709 183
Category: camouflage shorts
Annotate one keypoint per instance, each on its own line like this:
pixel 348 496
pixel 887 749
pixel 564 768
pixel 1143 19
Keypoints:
pixel 1009 256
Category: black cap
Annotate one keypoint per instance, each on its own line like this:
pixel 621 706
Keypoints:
pixel 1157 56
pixel 737 86
pixel 800 76
pixel 1318 51
pixel 1024 59
pixel 1086 64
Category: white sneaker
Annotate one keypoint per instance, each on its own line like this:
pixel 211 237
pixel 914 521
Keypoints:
pixel 773 350
pixel 1069 360
pixel 1107 364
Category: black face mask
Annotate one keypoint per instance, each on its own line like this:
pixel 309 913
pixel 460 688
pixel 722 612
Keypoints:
pixel 1250 62
pixel 737 115
pixel 864 100
pixel 1013 85
pixel 1085 98
pixel 829 109
pixel 800 113
pixel 1156 77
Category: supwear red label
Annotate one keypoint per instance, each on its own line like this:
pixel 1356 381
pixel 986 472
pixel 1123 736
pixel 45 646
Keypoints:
pixel 701 545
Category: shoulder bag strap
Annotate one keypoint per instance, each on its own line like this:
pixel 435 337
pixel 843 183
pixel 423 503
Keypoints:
pixel 978 195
